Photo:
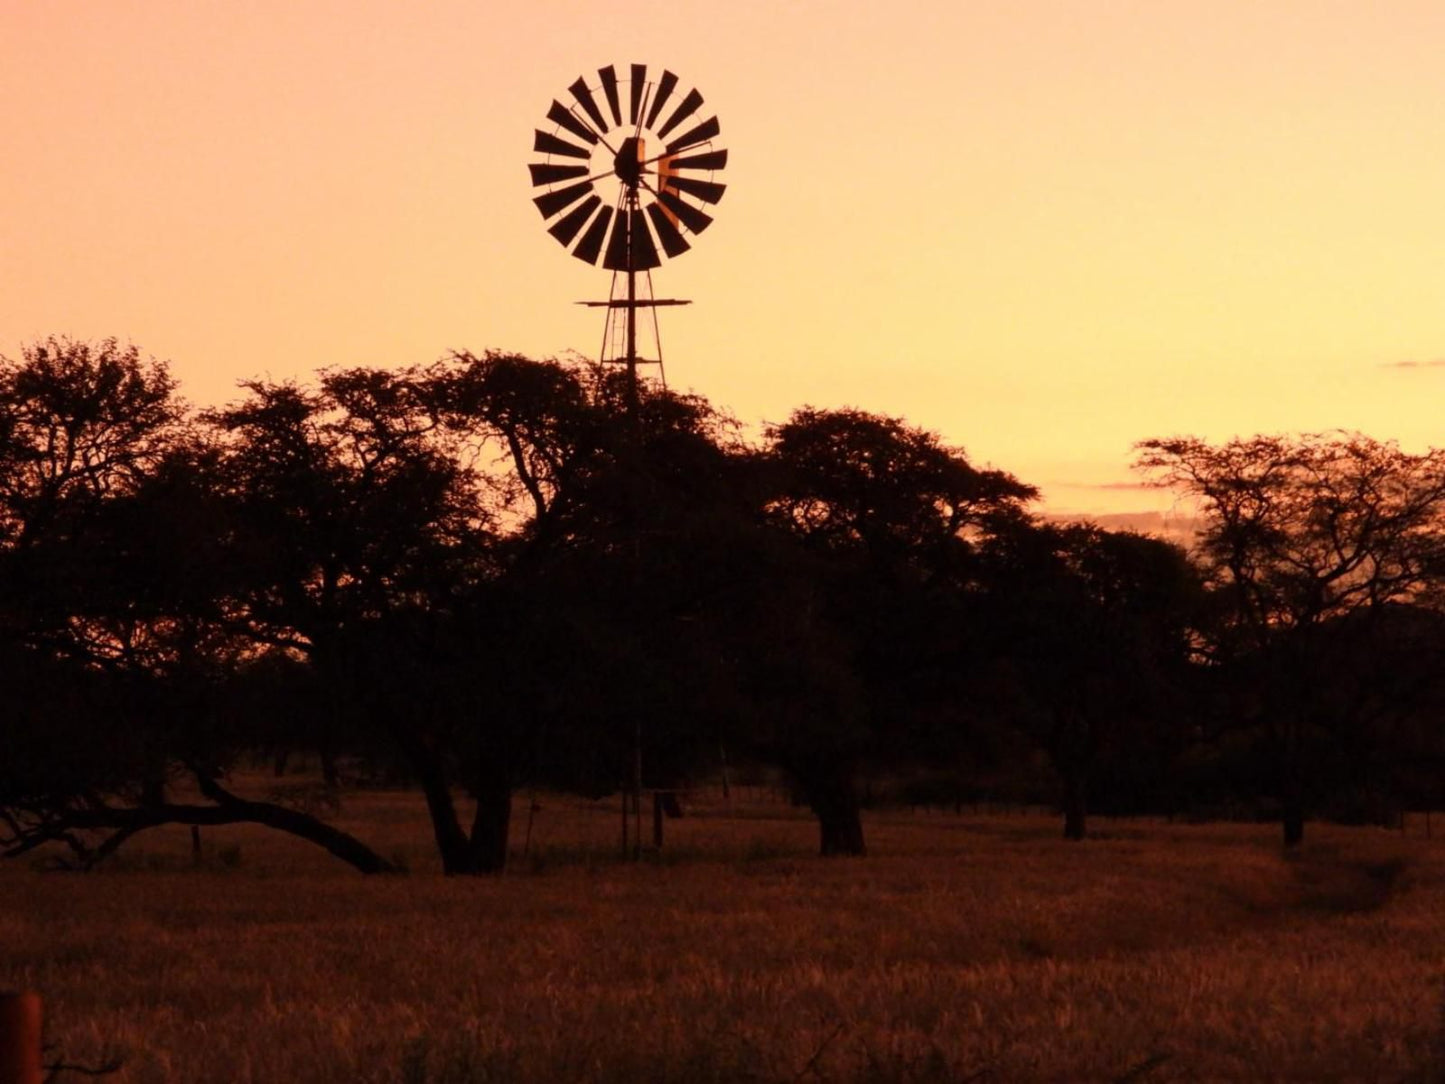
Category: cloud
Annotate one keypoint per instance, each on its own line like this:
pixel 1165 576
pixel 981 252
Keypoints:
pixel 1433 363
pixel 1102 485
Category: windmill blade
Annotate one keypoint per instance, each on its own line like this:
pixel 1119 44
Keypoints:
pixel 709 160
pixel 686 108
pixel 563 117
pixel 692 217
pixel 548 173
pixel 569 225
pixel 619 235
pixel 664 91
pixel 550 203
pixel 644 252
pixel 546 143
pixel 616 257
pixel 707 191
pixel 708 129
pixel 630 229
pixel 584 99
pixel 590 247
pixel 609 87
pixel 637 86
pixel 673 242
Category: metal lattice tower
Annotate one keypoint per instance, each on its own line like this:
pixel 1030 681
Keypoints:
pixel 626 188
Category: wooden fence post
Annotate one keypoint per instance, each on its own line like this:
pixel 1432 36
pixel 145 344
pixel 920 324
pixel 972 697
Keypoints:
pixel 20 1039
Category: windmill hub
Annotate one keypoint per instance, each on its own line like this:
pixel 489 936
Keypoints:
pixel 629 161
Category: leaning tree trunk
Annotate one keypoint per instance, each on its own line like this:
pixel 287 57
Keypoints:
pixel 335 842
pixel 125 822
pixel 452 843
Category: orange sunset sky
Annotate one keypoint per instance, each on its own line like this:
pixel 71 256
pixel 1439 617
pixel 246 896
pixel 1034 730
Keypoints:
pixel 1042 228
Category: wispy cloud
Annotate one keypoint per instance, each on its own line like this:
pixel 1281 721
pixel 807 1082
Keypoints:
pixel 1433 363
pixel 1101 485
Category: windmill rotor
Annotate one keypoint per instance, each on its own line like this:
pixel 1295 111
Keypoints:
pixel 627 168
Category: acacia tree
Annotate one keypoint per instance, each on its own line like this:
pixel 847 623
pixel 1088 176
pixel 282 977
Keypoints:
pixel 78 421
pixel 623 537
pixel 1093 631
pixel 896 523
pixel 111 625
pixel 1306 542
pixel 535 430
pixel 360 533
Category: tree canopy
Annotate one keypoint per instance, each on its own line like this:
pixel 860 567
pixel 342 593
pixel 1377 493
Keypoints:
pixel 492 572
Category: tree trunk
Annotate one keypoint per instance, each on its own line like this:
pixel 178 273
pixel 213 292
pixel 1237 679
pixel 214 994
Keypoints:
pixel 452 843
pixel 1292 818
pixel 840 831
pixel 484 849
pixel 491 825
pixel 834 800
pixel 231 810
pixel 336 842
pixel 1075 806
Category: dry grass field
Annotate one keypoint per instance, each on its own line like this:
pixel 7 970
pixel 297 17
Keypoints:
pixel 973 947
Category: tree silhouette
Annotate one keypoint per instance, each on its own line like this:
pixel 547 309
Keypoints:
pixel 358 532
pixel 78 421
pixel 113 578
pixel 896 523
pixel 495 571
pixel 1094 633
pixel 622 538
pixel 1306 542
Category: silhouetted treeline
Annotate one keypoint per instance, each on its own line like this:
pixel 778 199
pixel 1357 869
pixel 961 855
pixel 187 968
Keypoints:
pixel 487 573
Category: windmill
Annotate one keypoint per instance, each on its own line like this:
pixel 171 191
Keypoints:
pixel 626 172
pixel 625 188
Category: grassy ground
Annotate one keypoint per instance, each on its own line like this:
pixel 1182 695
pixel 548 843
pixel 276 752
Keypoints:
pixel 968 948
